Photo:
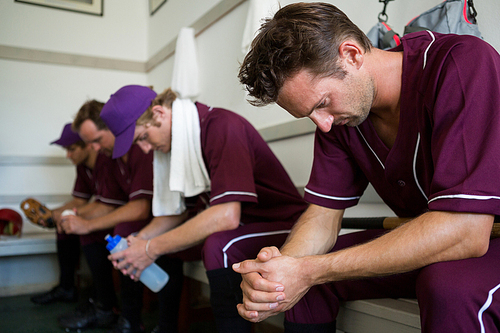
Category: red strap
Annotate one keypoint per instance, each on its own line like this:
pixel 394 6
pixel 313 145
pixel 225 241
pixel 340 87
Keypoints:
pixel 395 37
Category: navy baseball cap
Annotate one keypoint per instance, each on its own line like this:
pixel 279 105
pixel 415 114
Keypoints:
pixel 68 137
pixel 121 112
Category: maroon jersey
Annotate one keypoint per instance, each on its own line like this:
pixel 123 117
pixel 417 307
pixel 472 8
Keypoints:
pixel 91 182
pixel 446 155
pixel 243 168
pixel 129 181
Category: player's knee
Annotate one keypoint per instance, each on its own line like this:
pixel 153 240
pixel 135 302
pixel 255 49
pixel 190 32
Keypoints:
pixel 212 252
pixel 443 287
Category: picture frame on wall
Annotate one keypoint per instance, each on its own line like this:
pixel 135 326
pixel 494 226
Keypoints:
pixel 154 5
pixel 93 7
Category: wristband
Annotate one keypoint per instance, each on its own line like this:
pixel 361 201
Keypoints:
pixel 147 248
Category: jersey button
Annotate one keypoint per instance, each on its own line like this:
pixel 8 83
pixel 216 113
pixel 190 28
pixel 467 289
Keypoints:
pixel 401 183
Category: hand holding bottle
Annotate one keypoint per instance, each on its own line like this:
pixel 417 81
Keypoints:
pixel 152 276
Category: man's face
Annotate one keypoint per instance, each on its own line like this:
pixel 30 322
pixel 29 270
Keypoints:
pixel 328 101
pixel 100 140
pixel 156 136
pixel 77 154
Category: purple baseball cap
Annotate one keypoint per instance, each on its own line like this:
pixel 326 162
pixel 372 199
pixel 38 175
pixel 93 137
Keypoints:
pixel 122 110
pixel 68 137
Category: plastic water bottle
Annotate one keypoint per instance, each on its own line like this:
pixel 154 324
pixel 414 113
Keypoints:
pixel 152 276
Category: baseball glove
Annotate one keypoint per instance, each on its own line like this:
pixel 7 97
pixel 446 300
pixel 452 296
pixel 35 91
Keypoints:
pixel 38 213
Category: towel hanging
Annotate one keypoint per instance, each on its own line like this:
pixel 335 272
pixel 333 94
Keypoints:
pixel 185 73
pixel 257 11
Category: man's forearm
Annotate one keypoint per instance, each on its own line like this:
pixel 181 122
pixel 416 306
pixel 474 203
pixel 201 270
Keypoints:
pixel 220 217
pixel 75 202
pixel 430 238
pixel 94 209
pixel 132 211
pixel 314 233
pixel 160 225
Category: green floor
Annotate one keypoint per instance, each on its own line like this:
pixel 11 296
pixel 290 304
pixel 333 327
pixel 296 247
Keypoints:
pixel 19 314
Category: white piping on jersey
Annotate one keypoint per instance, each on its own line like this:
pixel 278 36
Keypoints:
pixel 233 193
pixel 133 194
pixel 486 305
pixel 428 47
pixel 259 234
pixel 465 196
pixel 89 174
pixel 81 195
pixel 122 171
pixel 415 167
pixel 330 197
pixel 383 167
pixel 111 201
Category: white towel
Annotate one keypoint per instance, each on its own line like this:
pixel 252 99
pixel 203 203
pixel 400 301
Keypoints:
pixel 165 202
pixel 180 173
pixel 257 11
pixel 185 74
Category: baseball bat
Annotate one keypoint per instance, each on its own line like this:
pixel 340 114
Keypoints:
pixel 390 223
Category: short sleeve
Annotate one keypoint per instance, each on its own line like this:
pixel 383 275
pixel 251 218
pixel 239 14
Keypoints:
pixel 229 159
pixel 83 187
pixel 466 131
pixel 336 181
pixel 141 174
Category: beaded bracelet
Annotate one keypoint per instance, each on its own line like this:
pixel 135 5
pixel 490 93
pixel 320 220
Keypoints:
pixel 147 248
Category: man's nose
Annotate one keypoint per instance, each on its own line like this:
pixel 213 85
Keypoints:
pixel 95 146
pixel 145 146
pixel 323 120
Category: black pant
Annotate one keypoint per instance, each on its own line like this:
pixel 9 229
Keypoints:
pixel 169 297
pixel 101 270
pixel 68 255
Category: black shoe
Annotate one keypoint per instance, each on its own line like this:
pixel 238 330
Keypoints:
pixel 156 329
pixel 88 315
pixel 57 294
pixel 124 326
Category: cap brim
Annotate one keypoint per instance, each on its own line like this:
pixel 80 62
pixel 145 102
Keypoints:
pixel 124 141
pixel 63 143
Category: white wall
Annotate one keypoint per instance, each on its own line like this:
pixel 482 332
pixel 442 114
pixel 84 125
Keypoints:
pixel 120 33
pixel 37 99
pixel 165 24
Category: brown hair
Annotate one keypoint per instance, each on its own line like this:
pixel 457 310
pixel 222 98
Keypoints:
pixel 90 110
pixel 299 36
pixel 166 99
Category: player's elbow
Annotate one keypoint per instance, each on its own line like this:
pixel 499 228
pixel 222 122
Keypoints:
pixel 480 248
pixel 231 215
pixel 143 209
pixel 144 214
pixel 231 221
pixel 479 241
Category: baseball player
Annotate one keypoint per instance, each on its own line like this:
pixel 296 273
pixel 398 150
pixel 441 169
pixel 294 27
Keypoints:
pixel 68 246
pixel 421 123
pixel 127 192
pixel 216 159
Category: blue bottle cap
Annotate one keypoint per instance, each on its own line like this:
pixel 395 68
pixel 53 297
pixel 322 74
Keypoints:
pixel 112 241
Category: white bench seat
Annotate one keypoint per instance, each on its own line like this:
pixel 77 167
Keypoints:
pixel 28 244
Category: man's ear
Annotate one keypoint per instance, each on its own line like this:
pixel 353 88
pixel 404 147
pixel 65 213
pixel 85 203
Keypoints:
pixel 158 111
pixel 351 54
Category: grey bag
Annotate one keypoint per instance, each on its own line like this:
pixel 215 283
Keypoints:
pixel 383 37
pixel 450 16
